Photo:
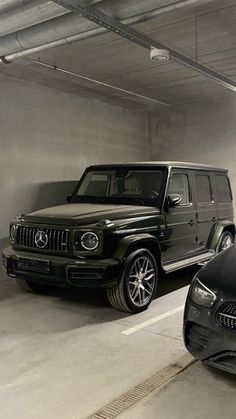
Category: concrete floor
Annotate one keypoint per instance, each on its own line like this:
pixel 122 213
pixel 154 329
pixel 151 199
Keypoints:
pixel 64 356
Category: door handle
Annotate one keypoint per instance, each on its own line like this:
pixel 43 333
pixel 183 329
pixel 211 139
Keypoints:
pixel 191 222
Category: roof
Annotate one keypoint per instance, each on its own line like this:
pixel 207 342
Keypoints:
pixel 169 164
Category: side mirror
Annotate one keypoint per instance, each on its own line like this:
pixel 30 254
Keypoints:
pixel 174 199
pixel 69 197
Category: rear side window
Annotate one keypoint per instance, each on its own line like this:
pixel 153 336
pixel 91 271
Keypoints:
pixel 223 189
pixel 203 187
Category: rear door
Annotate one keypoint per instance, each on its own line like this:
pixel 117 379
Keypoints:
pixel 206 206
pixel 180 221
pixel 224 197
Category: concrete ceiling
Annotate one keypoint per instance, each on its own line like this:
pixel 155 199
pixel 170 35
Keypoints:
pixel 207 34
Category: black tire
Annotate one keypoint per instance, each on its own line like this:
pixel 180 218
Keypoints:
pixel 226 241
pixel 31 286
pixel 121 295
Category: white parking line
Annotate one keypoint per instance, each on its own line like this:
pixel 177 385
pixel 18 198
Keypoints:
pixel 152 320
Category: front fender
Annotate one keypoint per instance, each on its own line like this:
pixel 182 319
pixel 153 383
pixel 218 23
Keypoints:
pixel 129 242
pixel 216 232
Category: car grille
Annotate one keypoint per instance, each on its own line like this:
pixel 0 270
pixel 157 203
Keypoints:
pixel 57 239
pixel 226 316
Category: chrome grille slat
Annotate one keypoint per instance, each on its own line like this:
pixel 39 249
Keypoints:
pixel 58 239
pixel 50 238
pixel 27 235
pixel 54 241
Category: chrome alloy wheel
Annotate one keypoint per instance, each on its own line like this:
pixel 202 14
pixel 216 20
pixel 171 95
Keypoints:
pixel 141 281
pixel 227 242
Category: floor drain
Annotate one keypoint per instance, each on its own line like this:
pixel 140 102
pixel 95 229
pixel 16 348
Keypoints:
pixel 119 405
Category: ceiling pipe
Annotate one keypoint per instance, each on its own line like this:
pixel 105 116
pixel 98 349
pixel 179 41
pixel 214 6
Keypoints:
pixel 6 5
pixel 32 13
pixel 100 83
pixel 72 27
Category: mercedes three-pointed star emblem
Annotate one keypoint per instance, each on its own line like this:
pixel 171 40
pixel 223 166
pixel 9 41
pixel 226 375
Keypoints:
pixel 41 239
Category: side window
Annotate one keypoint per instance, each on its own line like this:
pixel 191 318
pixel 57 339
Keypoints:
pixel 223 189
pixel 179 184
pixel 203 187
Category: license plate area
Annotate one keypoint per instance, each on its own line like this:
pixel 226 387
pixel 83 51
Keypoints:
pixel 32 265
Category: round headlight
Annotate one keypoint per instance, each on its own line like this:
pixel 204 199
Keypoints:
pixel 89 241
pixel 12 233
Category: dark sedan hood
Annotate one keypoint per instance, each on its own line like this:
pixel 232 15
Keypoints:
pixel 220 273
pixel 82 214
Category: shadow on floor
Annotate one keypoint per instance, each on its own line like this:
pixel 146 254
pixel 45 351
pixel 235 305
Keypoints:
pixel 223 376
pixel 176 280
pixel 97 297
pixel 76 308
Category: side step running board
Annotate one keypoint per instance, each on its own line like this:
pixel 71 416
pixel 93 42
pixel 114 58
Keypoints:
pixel 174 266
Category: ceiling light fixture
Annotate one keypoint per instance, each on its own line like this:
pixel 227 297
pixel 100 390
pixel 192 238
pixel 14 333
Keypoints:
pixel 161 55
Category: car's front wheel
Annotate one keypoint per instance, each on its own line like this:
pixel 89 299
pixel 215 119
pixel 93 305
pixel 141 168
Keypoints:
pixel 31 286
pixel 137 286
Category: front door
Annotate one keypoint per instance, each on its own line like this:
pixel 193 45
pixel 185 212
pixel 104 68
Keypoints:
pixel 180 230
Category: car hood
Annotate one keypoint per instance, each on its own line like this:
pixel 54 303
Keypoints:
pixel 83 214
pixel 220 273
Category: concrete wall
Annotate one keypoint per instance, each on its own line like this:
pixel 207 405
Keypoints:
pixel 47 139
pixel 201 133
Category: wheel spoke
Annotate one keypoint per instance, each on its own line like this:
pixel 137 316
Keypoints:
pixel 135 294
pixel 140 296
pixel 139 266
pixel 148 292
pixel 145 265
pixel 134 276
pixel 149 271
pixel 148 278
pixel 149 285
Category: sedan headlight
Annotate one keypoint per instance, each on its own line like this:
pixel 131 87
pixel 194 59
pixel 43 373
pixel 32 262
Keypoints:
pixel 12 233
pixel 202 295
pixel 89 240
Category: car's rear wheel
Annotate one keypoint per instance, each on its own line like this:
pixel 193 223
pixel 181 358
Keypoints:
pixel 226 241
pixel 31 286
pixel 137 286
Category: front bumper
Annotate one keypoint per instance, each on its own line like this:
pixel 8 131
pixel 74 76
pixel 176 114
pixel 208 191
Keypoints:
pixel 206 340
pixel 61 271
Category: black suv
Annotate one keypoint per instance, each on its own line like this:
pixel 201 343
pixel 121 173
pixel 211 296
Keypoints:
pixel 123 227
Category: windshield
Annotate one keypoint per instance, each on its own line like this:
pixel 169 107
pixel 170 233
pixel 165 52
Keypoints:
pixel 122 185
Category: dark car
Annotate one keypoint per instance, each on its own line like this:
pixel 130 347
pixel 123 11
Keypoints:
pixel 124 226
pixel 210 313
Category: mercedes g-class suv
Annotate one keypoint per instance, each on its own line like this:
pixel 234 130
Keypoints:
pixel 123 227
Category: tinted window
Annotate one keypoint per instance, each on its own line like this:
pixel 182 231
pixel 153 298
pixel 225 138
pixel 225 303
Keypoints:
pixel 97 185
pixel 223 188
pixel 179 185
pixel 203 189
pixel 122 185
